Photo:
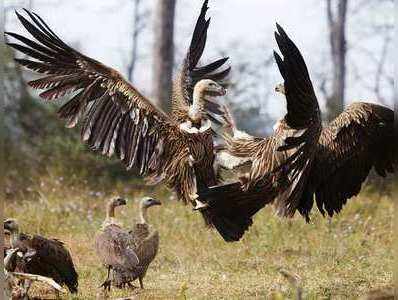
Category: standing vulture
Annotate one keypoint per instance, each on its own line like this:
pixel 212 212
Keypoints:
pixel 42 256
pixel 114 245
pixel 116 118
pixel 126 255
pixel 301 160
pixel 146 245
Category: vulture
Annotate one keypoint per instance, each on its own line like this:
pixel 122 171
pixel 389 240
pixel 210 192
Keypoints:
pixel 303 161
pixel 175 149
pixel 146 244
pixel 42 256
pixel 126 253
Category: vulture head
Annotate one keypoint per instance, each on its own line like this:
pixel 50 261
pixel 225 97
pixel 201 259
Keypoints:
pixel 208 87
pixel 117 201
pixel 203 99
pixel 148 202
pixel 110 209
pixel 11 225
pixel 280 88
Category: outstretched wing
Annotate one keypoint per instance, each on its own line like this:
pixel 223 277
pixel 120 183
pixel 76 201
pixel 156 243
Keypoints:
pixel 116 118
pixel 359 139
pixel 302 104
pixel 281 162
pixel 191 73
pixel 301 126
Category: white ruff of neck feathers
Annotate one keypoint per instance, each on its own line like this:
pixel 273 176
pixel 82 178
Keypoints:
pixel 276 125
pixel 228 161
pixel 239 134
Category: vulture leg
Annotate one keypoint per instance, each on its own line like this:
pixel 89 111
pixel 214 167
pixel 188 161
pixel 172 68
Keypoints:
pixel 107 283
pixel 131 286
pixel 141 283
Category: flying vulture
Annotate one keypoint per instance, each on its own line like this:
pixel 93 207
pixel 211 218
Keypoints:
pixel 42 256
pixel 175 149
pixel 302 161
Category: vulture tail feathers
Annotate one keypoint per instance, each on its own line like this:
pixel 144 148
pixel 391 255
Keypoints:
pixel 230 210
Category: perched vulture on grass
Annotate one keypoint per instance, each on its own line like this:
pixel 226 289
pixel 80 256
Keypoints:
pixel 303 161
pixel 126 254
pixel 42 256
pixel 146 245
pixel 175 149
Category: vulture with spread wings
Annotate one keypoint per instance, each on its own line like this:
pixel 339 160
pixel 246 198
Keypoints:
pixel 116 118
pixel 301 160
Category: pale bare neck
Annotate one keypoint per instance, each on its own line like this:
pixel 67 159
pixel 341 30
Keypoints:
pixel 14 236
pixel 110 211
pixel 143 215
pixel 195 110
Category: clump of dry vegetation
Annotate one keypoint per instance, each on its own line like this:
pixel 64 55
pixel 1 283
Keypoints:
pixel 348 256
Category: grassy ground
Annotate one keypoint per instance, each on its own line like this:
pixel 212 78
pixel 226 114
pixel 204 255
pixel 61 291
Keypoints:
pixel 347 257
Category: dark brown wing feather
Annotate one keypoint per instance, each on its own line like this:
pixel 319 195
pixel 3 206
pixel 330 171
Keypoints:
pixel 359 139
pixel 115 248
pixel 302 104
pixel 116 118
pixel 47 257
pixel 281 162
pixel 191 73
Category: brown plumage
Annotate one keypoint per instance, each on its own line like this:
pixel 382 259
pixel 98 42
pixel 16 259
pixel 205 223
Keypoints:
pixel 146 245
pixel 330 164
pixel 126 254
pixel 114 245
pixel 117 119
pixel 42 256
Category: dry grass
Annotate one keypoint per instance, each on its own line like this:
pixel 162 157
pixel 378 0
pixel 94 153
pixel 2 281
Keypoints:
pixel 347 257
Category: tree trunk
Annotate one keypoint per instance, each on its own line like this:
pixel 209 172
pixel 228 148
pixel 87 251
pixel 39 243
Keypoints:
pixel 337 25
pixel 163 52
pixel 134 39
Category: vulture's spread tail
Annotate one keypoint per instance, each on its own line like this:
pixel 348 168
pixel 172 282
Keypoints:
pixel 230 209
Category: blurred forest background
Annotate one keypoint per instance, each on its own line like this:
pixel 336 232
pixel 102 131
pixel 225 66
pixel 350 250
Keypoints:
pixel 346 43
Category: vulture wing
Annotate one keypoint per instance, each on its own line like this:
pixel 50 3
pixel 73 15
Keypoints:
pixel 359 139
pixel 116 118
pixel 191 73
pixel 53 260
pixel 302 104
pixel 115 247
pixel 281 162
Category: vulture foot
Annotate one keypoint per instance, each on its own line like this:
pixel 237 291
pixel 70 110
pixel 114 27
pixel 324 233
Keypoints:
pixel 131 286
pixel 106 285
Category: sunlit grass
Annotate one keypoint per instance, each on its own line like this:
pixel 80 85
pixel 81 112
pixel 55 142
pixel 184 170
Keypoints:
pixel 349 256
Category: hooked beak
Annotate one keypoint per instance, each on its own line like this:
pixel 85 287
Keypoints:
pixel 280 88
pixel 6 227
pixel 156 202
pixel 223 91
